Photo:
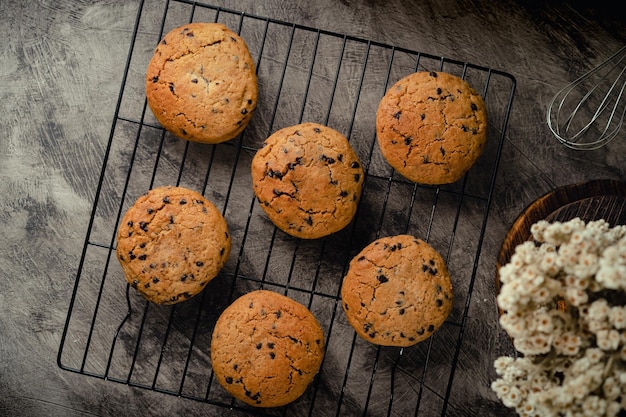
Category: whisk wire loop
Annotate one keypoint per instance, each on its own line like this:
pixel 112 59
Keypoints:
pixel 589 112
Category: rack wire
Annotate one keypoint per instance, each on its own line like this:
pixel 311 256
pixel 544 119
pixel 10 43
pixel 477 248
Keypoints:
pixel 305 74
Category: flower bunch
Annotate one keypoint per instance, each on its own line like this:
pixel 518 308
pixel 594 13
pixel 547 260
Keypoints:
pixel 563 298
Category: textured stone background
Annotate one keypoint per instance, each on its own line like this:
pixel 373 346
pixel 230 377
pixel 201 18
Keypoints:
pixel 61 65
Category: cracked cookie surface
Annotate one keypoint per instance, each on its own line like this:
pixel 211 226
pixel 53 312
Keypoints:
pixel 266 349
pixel 201 83
pixel 308 180
pixel 431 127
pixel 171 242
pixel 397 291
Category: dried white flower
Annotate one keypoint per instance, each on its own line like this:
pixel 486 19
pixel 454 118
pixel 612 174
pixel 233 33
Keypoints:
pixel 562 298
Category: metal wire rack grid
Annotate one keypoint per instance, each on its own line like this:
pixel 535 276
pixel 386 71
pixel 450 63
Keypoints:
pixel 305 74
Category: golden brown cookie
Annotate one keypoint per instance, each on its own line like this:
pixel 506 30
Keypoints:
pixel 308 180
pixel 397 291
pixel 431 127
pixel 171 242
pixel 201 83
pixel 266 349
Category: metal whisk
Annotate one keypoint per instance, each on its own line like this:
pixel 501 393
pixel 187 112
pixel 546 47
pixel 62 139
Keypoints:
pixel 588 113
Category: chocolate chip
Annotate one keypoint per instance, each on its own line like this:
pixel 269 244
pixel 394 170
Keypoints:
pixel 474 107
pixel 259 345
pixel 194 80
pixel 372 335
pixel 355 165
pixel 292 165
pixel 150 210
pixel 272 355
pixel 401 311
pixel 199 263
pixel 166 199
pixel 317 130
pixel 143 226
pixel 275 174
pixel 431 261
pixel 152 266
pixel 345 305
pixel 464 128
pixel 183 278
pixel 278 314
pixel 433 74
pixel 408 140
pixel 397 115
pixel 343 193
pixel 327 159
pixel 155 280
pixel 420 331
pixel 171 219
pixel 146 285
pixel 143 245
pixel 270 345
pixel 439 302
pixel 309 221
pixel 357 177
pixel 131 255
pixel 443 151
pixel 425 159
pixel 431 328
pixel 340 158
pixel 130 223
pixel 244 111
pixel 438 90
pixel 222 250
pixel 142 257
pixel 229 380
pixel 155 79
pixel 361 258
pixel 382 279
pixel 422 116
pixel 278 193
pixel 190 34
pixel 135 283
pixel 172 87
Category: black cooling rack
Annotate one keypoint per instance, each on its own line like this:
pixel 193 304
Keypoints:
pixel 304 74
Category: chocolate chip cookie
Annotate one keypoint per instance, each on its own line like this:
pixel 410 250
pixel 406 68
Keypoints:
pixel 170 243
pixel 308 180
pixel 431 127
pixel 397 291
pixel 201 83
pixel 266 349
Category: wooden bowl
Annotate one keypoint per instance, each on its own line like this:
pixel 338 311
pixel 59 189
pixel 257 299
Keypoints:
pixel 592 200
